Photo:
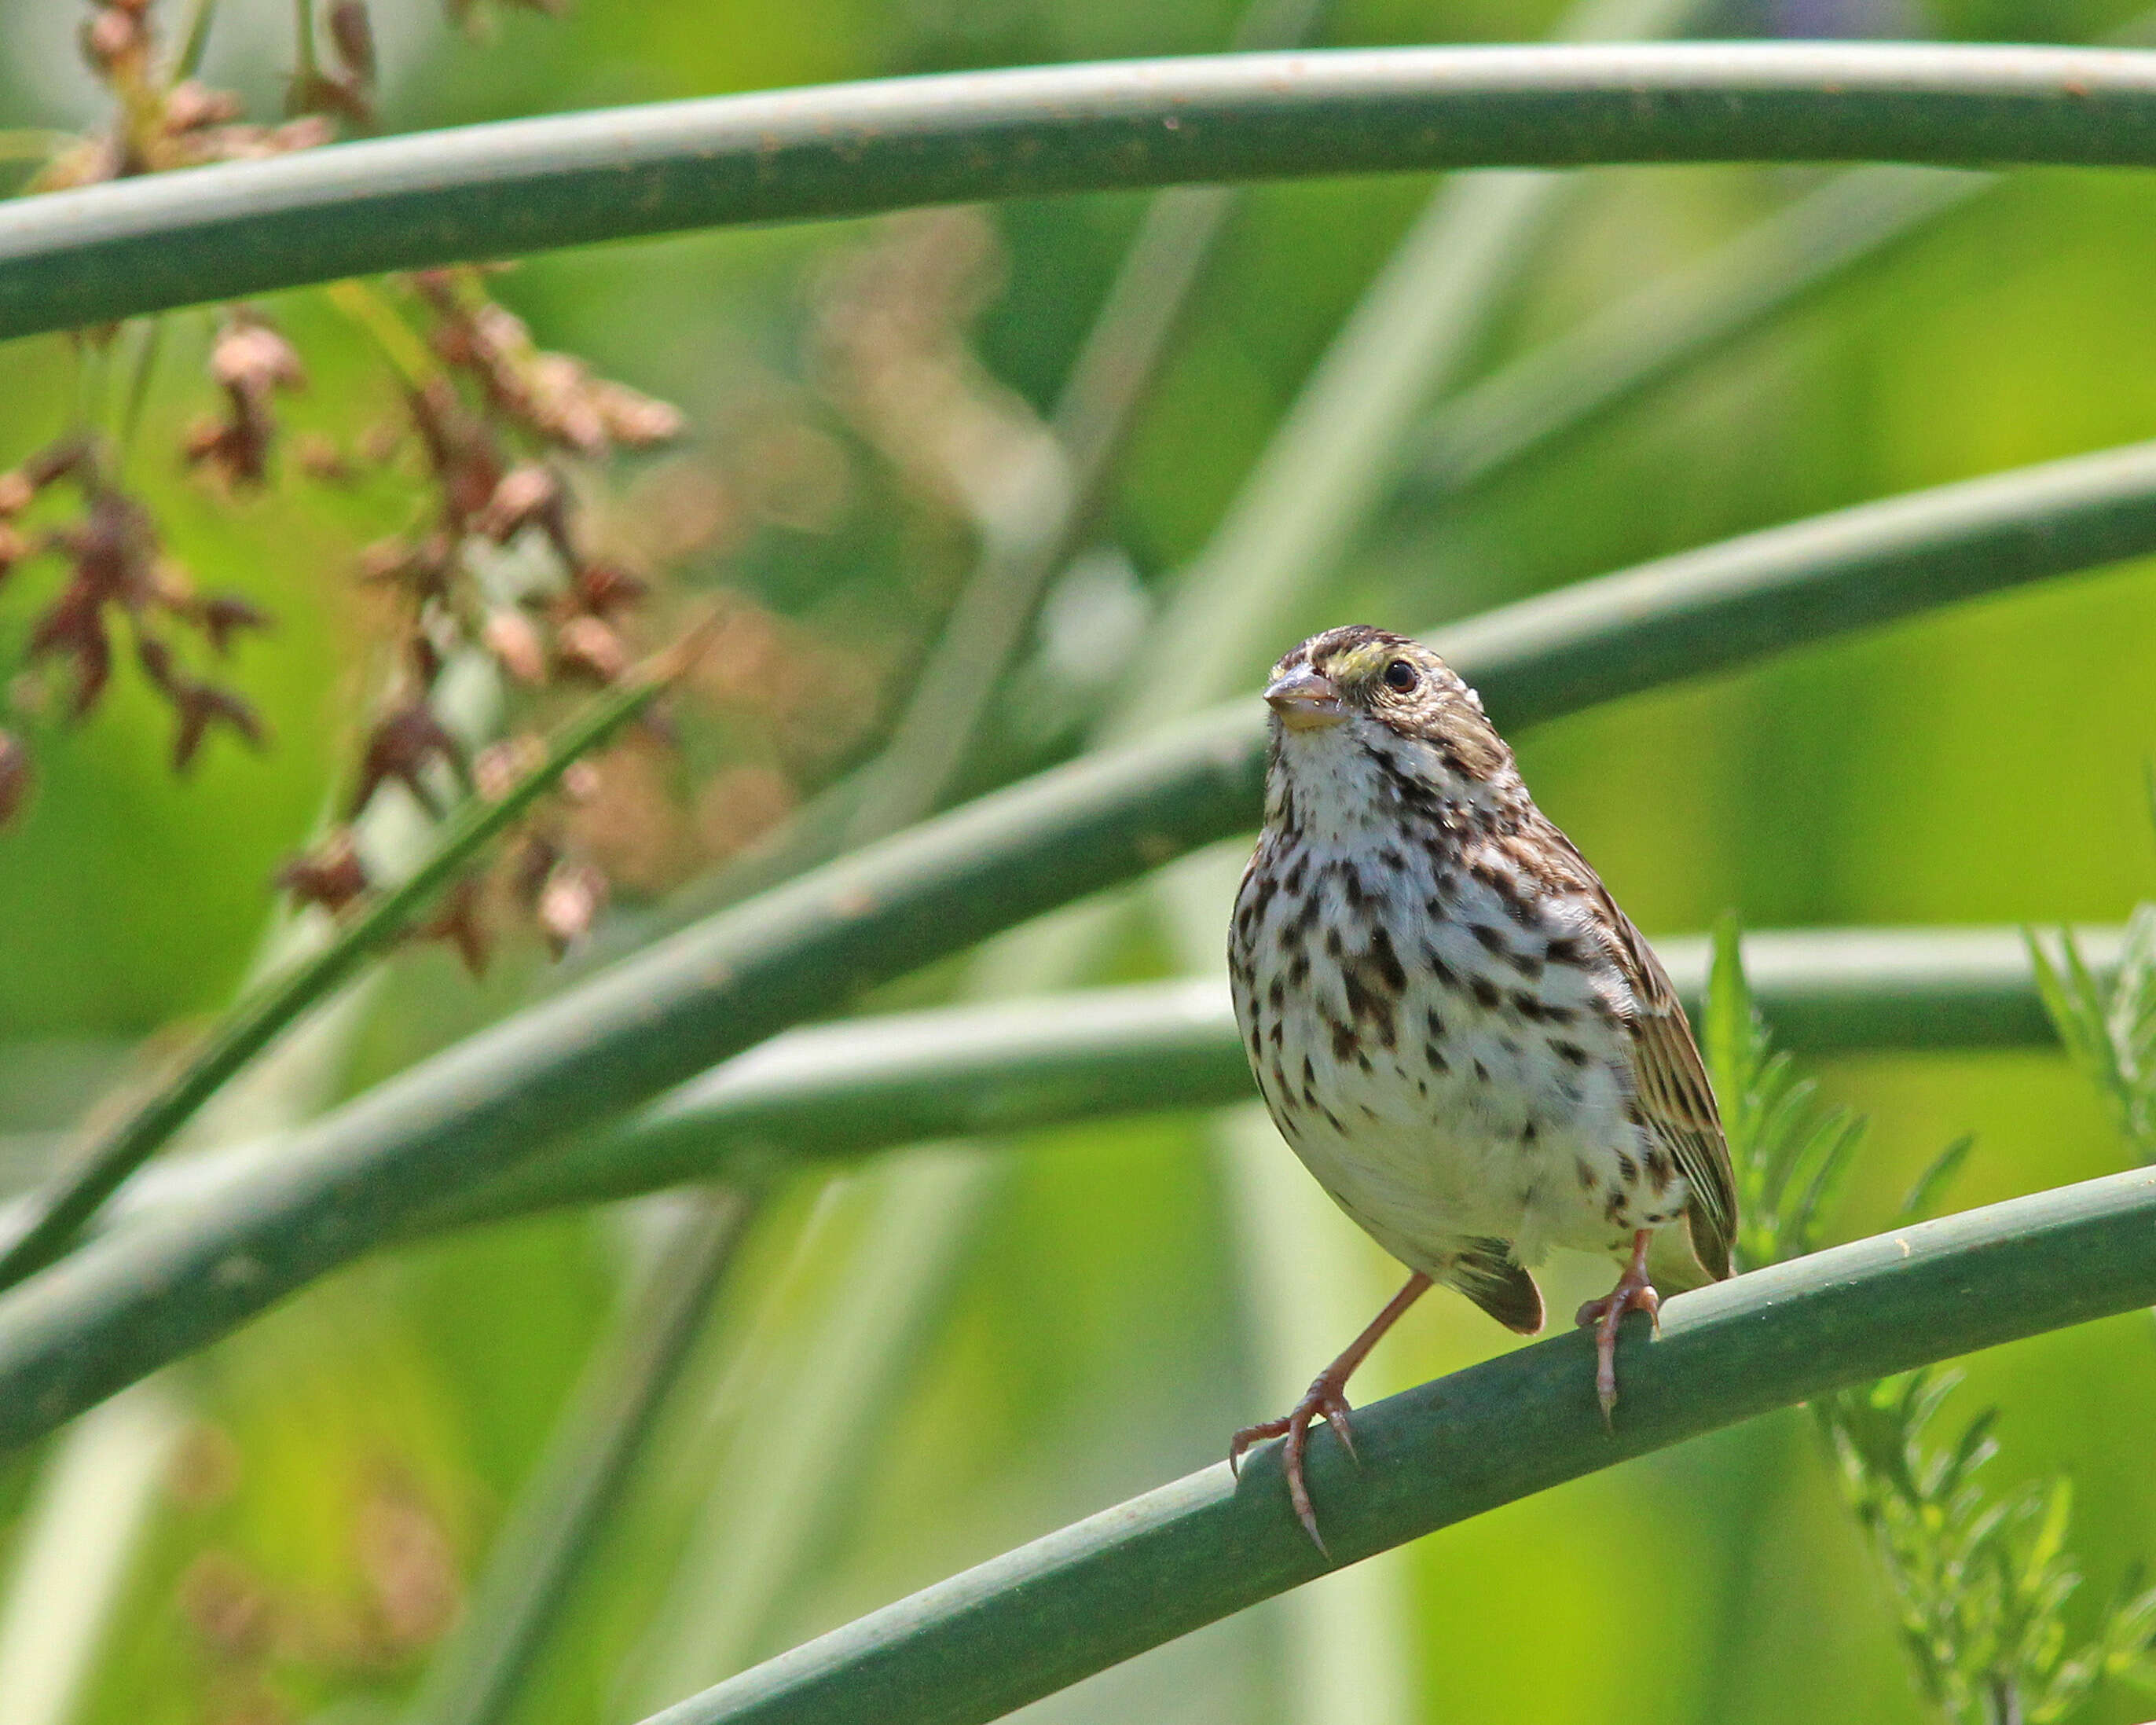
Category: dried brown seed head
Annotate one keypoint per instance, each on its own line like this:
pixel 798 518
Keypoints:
pixel 607 587
pixel 225 615
pixel 353 35
pixel 461 922
pixel 408 1564
pixel 528 492
pixel 330 875
pixel 500 767
pixel 400 748
pixel 634 419
pixel 589 648
pixel 321 460
pixel 250 353
pixel 582 782
pixel 515 639
pixel 73 628
pixel 191 105
pixel 199 706
pixel 229 1607
pixel 116 41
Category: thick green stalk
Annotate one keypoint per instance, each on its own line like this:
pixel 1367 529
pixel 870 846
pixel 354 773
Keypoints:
pixel 217 232
pixel 1037 1619
pixel 1727 603
pixel 841 1091
pixel 148 1294
pixel 52 1217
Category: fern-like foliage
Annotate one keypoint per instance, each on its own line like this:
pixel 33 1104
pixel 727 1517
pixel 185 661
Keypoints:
pixel 2109 1025
pixel 1978 1581
pixel 1790 1153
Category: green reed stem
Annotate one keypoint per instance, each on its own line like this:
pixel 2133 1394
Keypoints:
pixel 502 190
pixel 1043 1616
pixel 838 1092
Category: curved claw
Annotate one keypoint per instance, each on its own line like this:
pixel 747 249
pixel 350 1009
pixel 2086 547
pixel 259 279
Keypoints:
pixel 1323 1399
pixel 1326 1396
pixel 1634 1293
pixel 1238 1445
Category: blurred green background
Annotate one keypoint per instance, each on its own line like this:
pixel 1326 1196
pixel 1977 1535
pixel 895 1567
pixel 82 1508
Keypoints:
pixel 286 1529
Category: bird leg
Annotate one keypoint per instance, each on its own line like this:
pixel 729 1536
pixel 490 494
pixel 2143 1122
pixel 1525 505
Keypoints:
pixel 1634 1293
pixel 1326 1396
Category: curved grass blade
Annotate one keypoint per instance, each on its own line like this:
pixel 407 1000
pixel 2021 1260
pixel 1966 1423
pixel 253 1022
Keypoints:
pixel 108 252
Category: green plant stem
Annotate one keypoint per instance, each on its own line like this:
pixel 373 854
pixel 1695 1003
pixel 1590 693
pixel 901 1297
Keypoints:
pixel 1037 1619
pixel 837 1092
pixel 476 1676
pixel 55 1215
pixel 1612 357
pixel 194 39
pixel 127 1304
pixel 217 232
pixel 842 1090
pixel 1727 603
pixel 149 344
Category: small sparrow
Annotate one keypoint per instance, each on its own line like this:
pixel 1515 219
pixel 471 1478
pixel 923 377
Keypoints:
pixel 1453 1025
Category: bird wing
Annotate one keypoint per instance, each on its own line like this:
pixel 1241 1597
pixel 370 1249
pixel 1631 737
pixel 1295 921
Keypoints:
pixel 1670 1081
pixel 1668 1075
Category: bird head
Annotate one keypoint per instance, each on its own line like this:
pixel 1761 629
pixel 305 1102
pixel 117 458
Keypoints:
pixel 1358 707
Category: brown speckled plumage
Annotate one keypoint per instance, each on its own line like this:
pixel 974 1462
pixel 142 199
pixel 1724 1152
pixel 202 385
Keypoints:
pixel 1453 1025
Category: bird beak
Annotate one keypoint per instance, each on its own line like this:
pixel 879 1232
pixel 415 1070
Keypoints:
pixel 1305 700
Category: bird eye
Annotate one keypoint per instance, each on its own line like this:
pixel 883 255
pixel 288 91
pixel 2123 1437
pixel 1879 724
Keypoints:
pixel 1400 676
